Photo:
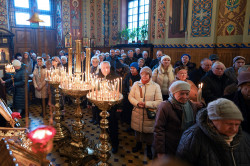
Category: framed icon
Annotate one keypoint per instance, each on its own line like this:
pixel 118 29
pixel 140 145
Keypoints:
pixel 85 42
pixel 68 40
pixel 4 56
pixel 92 42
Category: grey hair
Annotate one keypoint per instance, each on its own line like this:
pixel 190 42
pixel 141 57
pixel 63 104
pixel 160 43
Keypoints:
pixel 218 63
pixel 104 62
pixel 144 52
pixel 95 57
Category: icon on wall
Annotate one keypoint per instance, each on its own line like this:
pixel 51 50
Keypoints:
pixel 85 42
pixel 92 42
pixel 4 56
pixel 68 40
pixel 5 40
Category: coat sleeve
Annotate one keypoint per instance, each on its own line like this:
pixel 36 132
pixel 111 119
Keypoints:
pixel 154 75
pixel 34 79
pixel 160 128
pixel 131 96
pixel 189 146
pixel 21 82
pixel 157 100
pixel 206 92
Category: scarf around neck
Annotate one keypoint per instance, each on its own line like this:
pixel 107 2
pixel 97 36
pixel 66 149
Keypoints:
pixel 187 113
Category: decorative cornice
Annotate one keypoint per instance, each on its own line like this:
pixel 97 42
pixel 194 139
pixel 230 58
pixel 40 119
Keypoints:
pixel 225 45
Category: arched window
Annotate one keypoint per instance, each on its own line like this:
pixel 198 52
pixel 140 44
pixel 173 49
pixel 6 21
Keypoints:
pixel 138 13
pixel 24 9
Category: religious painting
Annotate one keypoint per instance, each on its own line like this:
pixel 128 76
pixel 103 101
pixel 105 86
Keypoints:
pixel 178 14
pixel 5 40
pixel 85 42
pixel 68 40
pixel 92 42
pixel 4 56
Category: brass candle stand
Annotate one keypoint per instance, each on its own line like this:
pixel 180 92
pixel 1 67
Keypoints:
pixel 61 131
pixel 104 147
pixel 77 147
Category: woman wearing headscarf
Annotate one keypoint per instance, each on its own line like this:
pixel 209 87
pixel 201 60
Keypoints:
pixel 173 117
pixel 181 73
pixel 28 62
pixel 164 75
pixel 40 84
pixel 144 95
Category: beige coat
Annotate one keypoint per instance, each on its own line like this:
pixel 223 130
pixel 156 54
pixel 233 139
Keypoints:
pixel 158 77
pixel 152 96
pixel 39 81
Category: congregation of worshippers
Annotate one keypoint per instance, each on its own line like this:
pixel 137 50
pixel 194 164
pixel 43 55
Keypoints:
pixel 197 112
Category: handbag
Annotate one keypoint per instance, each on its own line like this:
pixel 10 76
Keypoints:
pixel 150 112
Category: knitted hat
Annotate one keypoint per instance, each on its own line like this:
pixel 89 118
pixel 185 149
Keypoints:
pixel 135 65
pixel 164 57
pixel 118 65
pixel 243 77
pixel 223 109
pixel 16 63
pixel 214 57
pixel 238 58
pixel 146 69
pixel 186 55
pixel 179 86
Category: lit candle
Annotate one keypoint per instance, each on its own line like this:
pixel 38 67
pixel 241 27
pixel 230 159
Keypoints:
pixel 70 61
pixel 199 95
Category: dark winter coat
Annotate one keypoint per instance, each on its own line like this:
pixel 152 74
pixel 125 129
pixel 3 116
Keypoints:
pixel 167 132
pixel 128 60
pixel 148 61
pixel 19 88
pixel 196 75
pixel 244 107
pixel 202 145
pixel 112 61
pixel 214 86
pixel 137 56
pixel 191 66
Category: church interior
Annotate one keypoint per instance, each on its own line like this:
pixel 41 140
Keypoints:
pixel 79 30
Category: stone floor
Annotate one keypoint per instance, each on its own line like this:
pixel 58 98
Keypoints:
pixel 124 157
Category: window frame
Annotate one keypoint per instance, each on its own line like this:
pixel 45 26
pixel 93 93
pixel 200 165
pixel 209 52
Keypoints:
pixel 138 13
pixel 33 8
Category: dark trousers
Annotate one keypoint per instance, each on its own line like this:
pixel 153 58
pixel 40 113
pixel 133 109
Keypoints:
pixel 113 127
pixel 41 102
pixel 127 111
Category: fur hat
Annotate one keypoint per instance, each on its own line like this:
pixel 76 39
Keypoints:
pixel 222 109
pixel 164 57
pixel 146 69
pixel 243 77
pixel 16 63
pixel 179 86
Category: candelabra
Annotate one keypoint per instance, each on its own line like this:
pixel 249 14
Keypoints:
pixel 77 85
pixel 104 99
pixel 53 77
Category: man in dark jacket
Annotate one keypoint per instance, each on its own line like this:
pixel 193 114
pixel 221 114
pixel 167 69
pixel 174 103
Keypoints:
pixel 19 87
pixel 217 138
pixel 128 82
pixel 138 53
pixel 215 82
pixel 156 61
pixel 242 99
pixel 105 72
pixel 112 59
pixel 130 58
pixel 147 59
pixel 197 74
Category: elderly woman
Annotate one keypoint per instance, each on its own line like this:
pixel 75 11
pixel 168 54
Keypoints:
pixel 101 57
pixel 232 72
pixel 164 75
pixel 215 82
pixel 141 63
pixel 144 95
pixel 41 91
pixel 26 59
pixel 173 117
pixel 181 73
